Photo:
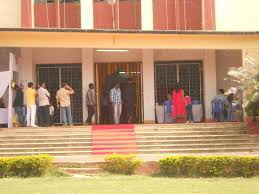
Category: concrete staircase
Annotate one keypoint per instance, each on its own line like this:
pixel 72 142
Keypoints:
pixel 209 138
pixel 58 141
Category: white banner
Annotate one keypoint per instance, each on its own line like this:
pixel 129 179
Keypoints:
pixel 4 81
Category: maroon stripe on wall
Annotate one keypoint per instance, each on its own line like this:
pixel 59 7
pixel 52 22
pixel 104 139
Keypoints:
pixel 26 13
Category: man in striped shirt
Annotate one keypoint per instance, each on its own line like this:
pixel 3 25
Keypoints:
pixel 115 98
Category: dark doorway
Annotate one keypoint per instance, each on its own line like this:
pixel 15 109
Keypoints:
pixel 109 73
pixel 53 75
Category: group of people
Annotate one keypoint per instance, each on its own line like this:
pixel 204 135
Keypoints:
pixel 225 104
pixel 115 100
pixel 178 106
pixel 38 106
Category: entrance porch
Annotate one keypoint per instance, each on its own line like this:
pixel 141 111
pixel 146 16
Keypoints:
pixel 155 71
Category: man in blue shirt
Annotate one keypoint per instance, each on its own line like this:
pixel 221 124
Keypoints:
pixel 115 99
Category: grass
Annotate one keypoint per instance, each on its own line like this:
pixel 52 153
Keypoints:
pixel 109 184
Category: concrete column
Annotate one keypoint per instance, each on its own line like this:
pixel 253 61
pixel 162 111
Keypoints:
pixel 147 14
pixel 148 86
pixel 210 80
pixel 27 71
pixel 87 75
pixel 32 14
pixel 87 14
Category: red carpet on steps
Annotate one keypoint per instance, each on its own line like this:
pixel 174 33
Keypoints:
pixel 108 139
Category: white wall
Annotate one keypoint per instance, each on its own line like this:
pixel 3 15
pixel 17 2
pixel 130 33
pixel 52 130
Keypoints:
pixel 4 59
pixel 237 15
pixel 226 59
pixel 146 15
pixel 87 15
pixel 10 13
pixel 27 69
pixel 130 56
pixel 56 55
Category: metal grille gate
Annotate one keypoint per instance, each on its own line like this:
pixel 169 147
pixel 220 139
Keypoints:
pixel 188 74
pixel 53 75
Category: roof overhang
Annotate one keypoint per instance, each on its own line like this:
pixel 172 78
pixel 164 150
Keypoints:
pixel 128 39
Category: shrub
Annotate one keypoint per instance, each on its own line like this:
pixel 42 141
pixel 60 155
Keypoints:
pixel 121 164
pixel 25 166
pixel 209 166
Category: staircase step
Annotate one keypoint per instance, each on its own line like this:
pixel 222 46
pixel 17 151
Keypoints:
pixel 190 125
pixel 178 137
pixel 38 144
pixel 47 140
pixel 189 132
pixel 30 136
pixel 197 141
pixel 54 153
pixel 198 150
pixel 46 149
pixel 192 129
pixel 191 146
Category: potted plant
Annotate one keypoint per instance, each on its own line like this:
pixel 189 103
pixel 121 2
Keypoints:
pixel 247 79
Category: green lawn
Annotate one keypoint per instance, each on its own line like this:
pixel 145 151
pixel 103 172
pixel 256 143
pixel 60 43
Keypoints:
pixel 128 184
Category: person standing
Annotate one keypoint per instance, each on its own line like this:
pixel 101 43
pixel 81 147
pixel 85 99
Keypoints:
pixel 219 103
pixel 130 98
pixel 168 109
pixel 64 102
pixel 105 101
pixel 18 104
pixel 90 102
pixel 43 98
pixel 31 105
pixel 179 112
pixel 115 99
pixel 188 103
pixel 51 114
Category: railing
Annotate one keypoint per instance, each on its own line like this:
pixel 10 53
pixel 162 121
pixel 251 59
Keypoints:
pixel 121 15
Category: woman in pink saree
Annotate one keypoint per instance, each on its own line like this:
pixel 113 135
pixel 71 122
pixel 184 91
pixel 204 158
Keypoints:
pixel 179 109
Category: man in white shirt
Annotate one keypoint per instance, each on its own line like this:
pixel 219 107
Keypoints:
pixel 115 99
pixel 43 97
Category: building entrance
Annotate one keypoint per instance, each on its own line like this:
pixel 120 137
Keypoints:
pixel 54 75
pixel 129 77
